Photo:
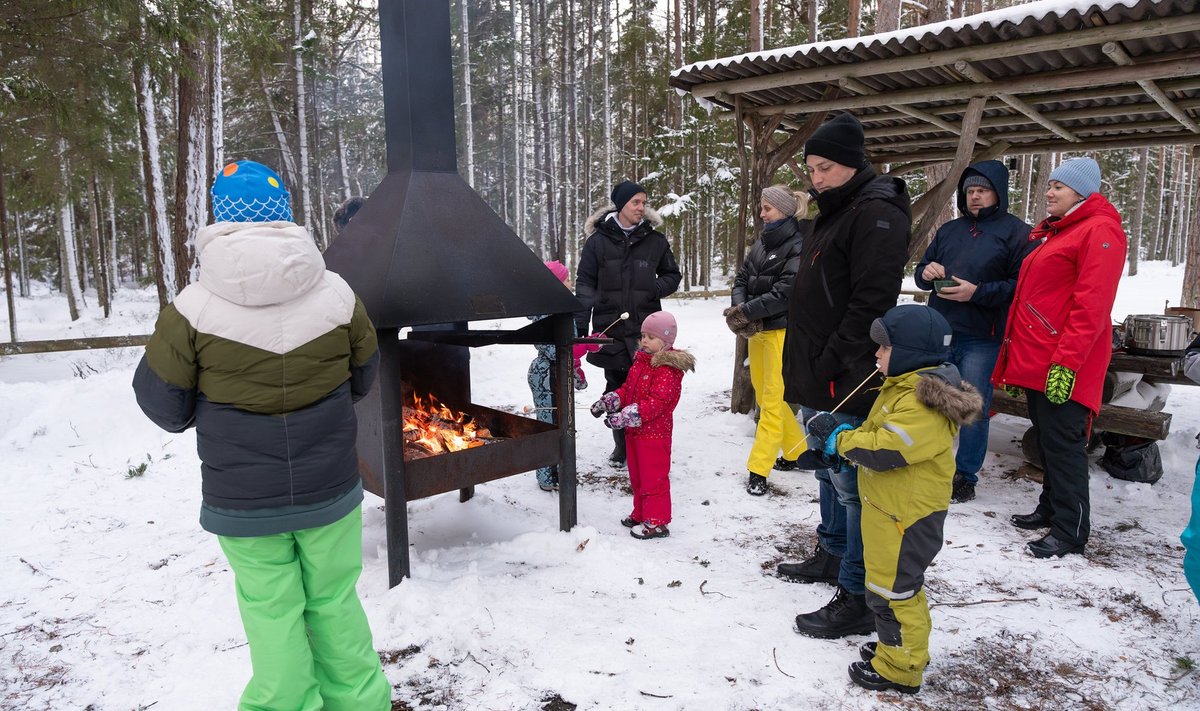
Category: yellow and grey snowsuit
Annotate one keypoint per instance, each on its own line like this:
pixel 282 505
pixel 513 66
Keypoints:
pixel 905 457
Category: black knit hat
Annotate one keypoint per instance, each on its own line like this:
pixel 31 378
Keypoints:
pixel 624 191
pixel 840 139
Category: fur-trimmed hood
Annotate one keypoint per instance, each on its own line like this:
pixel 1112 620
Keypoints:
pixel 652 217
pixel 681 360
pixel 943 389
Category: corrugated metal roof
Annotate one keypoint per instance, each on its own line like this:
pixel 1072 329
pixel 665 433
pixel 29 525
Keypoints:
pixel 1061 57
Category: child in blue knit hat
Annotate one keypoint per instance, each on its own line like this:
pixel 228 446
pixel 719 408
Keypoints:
pixel 265 355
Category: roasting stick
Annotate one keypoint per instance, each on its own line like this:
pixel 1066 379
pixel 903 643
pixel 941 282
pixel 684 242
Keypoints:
pixel 864 382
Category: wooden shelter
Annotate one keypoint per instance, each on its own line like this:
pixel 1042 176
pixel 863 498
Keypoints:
pixel 1057 75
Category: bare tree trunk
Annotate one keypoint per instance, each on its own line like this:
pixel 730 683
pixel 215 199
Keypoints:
pixel 98 258
pixel 158 231
pixel 1190 293
pixel 1135 241
pixel 887 16
pixel 814 11
pixel 22 271
pixel 853 13
pixel 302 125
pixel 1162 196
pixel 191 174
pixel 468 123
pixel 756 28
pixel 1045 167
pixel 217 93
pixel 9 297
pixel 66 236
pixel 285 148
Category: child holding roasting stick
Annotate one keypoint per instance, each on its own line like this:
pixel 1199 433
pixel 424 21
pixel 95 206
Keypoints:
pixel 904 452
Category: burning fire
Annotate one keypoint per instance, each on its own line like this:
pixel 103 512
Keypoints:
pixel 432 428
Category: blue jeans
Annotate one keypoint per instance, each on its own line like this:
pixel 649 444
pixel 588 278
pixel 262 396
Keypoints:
pixel 975 358
pixel 840 530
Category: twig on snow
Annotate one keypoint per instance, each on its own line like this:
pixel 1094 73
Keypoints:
pixel 37 570
pixel 654 696
pixel 983 602
pixel 472 658
pixel 714 592
pixel 781 671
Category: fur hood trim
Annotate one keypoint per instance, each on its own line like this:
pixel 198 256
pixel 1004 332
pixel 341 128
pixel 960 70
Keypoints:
pixel 683 361
pixel 651 217
pixel 944 390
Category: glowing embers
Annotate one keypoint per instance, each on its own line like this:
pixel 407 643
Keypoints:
pixel 432 428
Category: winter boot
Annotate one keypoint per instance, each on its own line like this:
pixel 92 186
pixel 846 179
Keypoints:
pixel 786 465
pixel 1032 521
pixel 863 674
pixel 821 567
pixel 647 531
pixel 1053 547
pixel 630 522
pixel 756 485
pixel 844 615
pixel 963 491
pixel 867 651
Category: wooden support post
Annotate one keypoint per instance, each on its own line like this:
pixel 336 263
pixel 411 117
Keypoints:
pixel 929 204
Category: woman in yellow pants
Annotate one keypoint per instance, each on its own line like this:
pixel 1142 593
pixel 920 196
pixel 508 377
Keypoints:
pixel 760 297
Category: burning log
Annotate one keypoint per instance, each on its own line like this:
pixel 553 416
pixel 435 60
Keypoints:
pixel 431 428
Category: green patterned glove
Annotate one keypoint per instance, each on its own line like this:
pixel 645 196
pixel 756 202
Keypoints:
pixel 1059 384
pixel 1014 391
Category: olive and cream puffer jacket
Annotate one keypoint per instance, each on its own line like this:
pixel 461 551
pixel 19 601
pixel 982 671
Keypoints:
pixel 264 355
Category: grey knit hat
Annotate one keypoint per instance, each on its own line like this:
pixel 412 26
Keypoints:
pixel 977 181
pixel 1079 174
pixel 782 199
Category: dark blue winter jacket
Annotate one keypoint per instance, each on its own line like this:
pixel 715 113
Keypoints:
pixel 987 251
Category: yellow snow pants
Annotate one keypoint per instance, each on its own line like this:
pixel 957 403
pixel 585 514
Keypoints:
pixel 778 429
pixel 903 514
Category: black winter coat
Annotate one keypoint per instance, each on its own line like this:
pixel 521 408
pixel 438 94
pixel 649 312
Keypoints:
pixel 849 275
pixel 619 273
pixel 764 283
pixel 987 251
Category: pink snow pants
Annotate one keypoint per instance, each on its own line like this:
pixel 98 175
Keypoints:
pixel 649 462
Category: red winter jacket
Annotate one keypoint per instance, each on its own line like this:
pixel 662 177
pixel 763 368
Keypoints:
pixel 1061 312
pixel 654 383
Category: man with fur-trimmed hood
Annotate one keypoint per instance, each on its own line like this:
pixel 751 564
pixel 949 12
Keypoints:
pixel 626 266
pixel 904 453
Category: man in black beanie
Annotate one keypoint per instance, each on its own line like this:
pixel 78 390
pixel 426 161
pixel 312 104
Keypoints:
pixel 626 266
pixel 850 273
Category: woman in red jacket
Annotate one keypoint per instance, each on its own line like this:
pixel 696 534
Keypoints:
pixel 1057 345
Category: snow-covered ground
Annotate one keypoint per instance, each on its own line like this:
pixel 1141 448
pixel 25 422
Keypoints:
pixel 112 597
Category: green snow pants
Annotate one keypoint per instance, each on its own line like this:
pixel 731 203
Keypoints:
pixel 903 514
pixel 310 645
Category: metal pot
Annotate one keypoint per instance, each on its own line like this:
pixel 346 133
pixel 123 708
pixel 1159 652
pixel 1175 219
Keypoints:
pixel 1153 334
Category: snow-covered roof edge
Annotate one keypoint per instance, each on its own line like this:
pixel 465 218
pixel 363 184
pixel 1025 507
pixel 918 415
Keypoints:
pixel 1015 14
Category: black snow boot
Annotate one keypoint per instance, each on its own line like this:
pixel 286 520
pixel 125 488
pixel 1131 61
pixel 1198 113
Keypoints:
pixel 821 567
pixel 844 615
pixel 863 674
pixel 962 491
pixel 786 465
pixel 756 485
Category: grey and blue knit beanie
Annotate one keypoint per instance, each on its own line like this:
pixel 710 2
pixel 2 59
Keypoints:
pixel 246 191
pixel 1079 174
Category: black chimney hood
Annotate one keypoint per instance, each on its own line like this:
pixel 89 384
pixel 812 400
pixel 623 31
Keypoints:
pixel 425 248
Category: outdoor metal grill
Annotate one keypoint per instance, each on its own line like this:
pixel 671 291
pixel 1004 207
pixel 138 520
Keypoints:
pixel 425 251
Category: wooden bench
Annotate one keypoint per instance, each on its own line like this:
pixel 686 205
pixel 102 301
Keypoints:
pixel 1112 418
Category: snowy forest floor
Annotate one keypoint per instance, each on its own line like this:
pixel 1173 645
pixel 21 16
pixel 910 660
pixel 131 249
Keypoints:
pixel 112 597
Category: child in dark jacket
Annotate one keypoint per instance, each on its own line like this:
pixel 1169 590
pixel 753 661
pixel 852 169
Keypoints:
pixel 644 407
pixel 904 452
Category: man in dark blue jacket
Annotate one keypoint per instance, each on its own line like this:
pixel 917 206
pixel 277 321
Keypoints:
pixel 971 266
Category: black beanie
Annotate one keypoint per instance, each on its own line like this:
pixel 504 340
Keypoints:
pixel 624 191
pixel 840 139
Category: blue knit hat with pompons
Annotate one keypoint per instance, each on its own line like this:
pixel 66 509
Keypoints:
pixel 246 191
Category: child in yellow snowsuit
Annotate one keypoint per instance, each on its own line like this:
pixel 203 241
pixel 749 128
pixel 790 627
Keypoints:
pixel 905 457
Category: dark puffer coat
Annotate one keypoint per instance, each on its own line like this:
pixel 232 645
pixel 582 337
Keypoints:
pixel 764 283
pixel 986 250
pixel 619 273
pixel 849 275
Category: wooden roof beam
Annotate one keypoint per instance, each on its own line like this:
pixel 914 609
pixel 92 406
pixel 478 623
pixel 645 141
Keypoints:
pixel 928 60
pixel 1082 134
pixel 979 77
pixel 1182 64
pixel 1049 146
pixel 856 86
pixel 1118 55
